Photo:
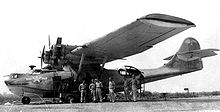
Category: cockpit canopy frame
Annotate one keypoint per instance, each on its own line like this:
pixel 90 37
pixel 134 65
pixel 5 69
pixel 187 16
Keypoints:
pixel 129 71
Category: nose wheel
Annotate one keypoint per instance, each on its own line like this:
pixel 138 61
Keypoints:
pixel 25 100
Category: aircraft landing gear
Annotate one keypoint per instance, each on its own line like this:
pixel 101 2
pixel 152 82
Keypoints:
pixel 25 100
pixel 69 99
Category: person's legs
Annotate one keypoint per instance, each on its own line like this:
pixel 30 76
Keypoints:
pixel 93 95
pixel 134 92
pixel 100 94
pixel 81 96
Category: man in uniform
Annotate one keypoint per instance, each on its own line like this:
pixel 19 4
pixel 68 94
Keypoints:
pixel 99 86
pixel 82 89
pixel 126 89
pixel 134 83
pixel 111 88
pixel 61 90
pixel 92 90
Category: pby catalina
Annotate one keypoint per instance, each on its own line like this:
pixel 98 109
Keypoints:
pixel 70 64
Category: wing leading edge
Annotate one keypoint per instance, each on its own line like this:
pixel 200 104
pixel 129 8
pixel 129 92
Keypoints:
pixel 133 38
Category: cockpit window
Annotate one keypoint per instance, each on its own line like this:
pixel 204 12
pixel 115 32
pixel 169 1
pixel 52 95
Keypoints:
pixel 122 72
pixel 15 75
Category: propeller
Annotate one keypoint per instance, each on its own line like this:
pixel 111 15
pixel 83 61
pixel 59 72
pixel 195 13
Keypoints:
pixel 53 54
pixel 42 56
pixel 49 41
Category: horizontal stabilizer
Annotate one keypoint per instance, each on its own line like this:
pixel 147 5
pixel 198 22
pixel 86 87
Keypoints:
pixel 183 58
pixel 195 54
pixel 199 53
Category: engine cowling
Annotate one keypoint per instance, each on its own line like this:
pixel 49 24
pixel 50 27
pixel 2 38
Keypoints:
pixel 56 54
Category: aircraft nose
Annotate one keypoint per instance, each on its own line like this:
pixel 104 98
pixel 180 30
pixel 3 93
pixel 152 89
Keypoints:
pixel 8 82
pixel 13 82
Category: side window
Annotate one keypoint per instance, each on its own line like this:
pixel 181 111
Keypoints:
pixel 129 71
pixel 122 72
pixel 14 76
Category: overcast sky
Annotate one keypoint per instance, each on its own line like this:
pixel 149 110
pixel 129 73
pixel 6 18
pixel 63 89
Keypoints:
pixel 25 26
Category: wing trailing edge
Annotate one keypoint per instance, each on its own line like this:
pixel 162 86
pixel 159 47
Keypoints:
pixel 167 20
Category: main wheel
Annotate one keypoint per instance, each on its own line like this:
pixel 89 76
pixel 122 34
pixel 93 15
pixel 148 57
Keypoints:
pixel 72 100
pixel 69 99
pixel 25 100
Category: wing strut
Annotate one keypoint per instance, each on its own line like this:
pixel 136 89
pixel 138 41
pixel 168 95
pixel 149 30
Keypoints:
pixel 81 62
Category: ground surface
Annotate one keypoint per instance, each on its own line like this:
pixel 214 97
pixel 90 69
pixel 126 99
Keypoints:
pixel 202 104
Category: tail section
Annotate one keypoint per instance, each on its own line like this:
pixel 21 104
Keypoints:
pixel 189 57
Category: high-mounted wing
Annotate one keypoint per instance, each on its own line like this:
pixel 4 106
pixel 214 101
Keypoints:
pixel 133 38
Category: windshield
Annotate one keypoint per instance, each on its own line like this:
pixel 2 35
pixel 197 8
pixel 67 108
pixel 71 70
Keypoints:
pixel 16 75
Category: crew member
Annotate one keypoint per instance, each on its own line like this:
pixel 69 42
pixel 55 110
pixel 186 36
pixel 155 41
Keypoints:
pixel 99 86
pixel 82 89
pixel 61 90
pixel 111 88
pixel 126 89
pixel 134 83
pixel 92 90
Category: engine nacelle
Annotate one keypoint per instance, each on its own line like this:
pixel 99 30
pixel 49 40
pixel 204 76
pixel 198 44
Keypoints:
pixel 55 56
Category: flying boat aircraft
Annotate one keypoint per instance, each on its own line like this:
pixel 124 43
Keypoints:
pixel 70 64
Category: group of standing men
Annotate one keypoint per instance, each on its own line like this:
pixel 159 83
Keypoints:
pixel 95 88
pixel 134 85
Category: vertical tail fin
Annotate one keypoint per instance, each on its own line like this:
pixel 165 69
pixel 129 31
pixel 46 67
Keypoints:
pixel 189 56
pixel 189 44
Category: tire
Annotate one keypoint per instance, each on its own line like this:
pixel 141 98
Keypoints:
pixel 69 99
pixel 72 100
pixel 25 100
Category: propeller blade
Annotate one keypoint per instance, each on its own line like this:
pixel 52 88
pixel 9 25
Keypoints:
pixel 49 40
pixel 43 51
pixel 42 56
pixel 41 63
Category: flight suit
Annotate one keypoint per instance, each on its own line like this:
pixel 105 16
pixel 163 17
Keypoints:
pixel 61 90
pixel 111 88
pixel 99 90
pixel 82 89
pixel 126 89
pixel 134 89
pixel 92 89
